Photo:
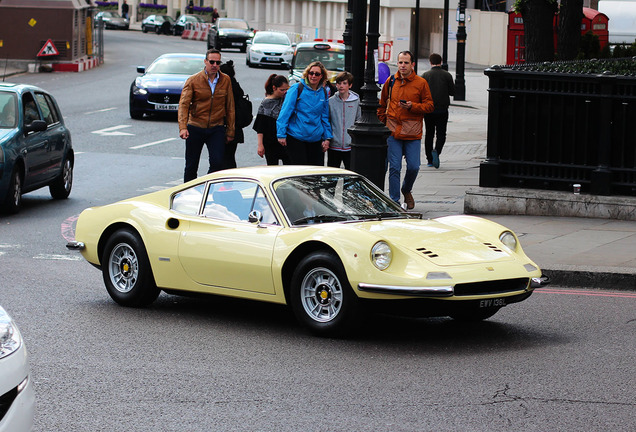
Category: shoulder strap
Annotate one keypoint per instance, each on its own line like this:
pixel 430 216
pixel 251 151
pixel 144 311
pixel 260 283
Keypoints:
pixel 391 82
pixel 300 90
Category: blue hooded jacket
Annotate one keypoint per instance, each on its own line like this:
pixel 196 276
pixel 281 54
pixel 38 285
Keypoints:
pixel 306 119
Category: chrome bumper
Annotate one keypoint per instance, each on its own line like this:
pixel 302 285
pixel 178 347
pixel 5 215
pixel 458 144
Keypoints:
pixel 75 245
pixel 438 291
pixel 539 282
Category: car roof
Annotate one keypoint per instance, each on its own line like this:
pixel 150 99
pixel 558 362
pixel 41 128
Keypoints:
pixel 19 88
pixel 311 44
pixel 268 173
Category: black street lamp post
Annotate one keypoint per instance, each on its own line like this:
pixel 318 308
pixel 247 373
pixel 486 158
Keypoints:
pixel 347 35
pixel 445 41
pixel 357 42
pixel 368 135
pixel 460 83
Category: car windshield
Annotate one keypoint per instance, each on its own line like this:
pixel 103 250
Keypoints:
pixel 334 198
pixel 332 60
pixel 194 19
pixel 111 15
pixel 176 65
pixel 272 38
pixel 8 109
pixel 233 24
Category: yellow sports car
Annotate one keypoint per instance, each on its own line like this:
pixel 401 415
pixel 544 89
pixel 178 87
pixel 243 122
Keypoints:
pixel 325 241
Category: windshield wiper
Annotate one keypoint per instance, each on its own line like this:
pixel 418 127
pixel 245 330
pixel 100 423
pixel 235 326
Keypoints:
pixel 320 218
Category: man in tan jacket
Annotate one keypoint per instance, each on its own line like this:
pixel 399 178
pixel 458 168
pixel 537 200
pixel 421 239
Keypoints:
pixel 405 99
pixel 206 115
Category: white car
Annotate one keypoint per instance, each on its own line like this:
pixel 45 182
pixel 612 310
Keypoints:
pixel 17 396
pixel 269 48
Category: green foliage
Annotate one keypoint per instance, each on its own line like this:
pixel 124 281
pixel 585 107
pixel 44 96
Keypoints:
pixel 519 5
pixel 589 46
pixel 616 66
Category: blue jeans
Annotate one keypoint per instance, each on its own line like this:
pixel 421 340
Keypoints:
pixel 214 139
pixel 397 149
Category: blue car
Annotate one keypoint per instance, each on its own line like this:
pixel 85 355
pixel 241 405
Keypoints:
pixel 158 90
pixel 35 145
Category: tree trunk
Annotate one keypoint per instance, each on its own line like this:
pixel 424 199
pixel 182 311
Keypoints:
pixel 538 16
pixel 569 39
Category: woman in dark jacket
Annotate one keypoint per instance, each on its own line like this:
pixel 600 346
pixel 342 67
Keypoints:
pixel 229 160
pixel 265 124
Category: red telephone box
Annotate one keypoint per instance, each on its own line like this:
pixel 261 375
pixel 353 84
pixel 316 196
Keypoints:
pixel 593 21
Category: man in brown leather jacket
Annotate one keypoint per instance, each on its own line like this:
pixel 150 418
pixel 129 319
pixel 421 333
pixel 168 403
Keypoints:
pixel 206 115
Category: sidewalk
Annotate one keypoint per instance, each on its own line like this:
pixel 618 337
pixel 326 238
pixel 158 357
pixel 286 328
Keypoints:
pixel 573 251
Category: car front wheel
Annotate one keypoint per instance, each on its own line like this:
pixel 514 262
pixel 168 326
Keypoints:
pixel 14 193
pixel 144 29
pixel 126 270
pixel 61 186
pixel 321 297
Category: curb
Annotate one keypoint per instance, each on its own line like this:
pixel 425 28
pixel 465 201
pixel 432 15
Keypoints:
pixel 591 279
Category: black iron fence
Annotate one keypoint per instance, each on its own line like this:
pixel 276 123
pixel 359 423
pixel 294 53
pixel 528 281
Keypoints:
pixel 554 125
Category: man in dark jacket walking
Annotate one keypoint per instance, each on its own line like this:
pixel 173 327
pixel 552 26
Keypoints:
pixel 442 86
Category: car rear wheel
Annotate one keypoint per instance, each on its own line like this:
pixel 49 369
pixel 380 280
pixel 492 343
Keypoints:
pixel 126 270
pixel 321 297
pixel 471 315
pixel 13 201
pixel 144 29
pixel 61 186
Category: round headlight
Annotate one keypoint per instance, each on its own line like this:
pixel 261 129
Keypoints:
pixel 381 255
pixel 509 240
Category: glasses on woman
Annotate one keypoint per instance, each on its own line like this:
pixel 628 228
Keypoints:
pixel 314 73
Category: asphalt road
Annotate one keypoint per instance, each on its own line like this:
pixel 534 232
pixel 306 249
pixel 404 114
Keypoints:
pixel 562 360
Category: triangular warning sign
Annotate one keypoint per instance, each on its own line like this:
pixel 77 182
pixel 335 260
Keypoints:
pixel 48 49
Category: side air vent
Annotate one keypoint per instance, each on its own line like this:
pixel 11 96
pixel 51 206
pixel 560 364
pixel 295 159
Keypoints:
pixel 493 247
pixel 427 253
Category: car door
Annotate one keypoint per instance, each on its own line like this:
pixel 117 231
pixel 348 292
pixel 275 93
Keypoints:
pixel 222 248
pixel 35 145
pixel 56 135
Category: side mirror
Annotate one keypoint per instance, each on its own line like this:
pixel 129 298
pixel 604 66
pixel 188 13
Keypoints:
pixel 35 126
pixel 255 216
pixel 141 69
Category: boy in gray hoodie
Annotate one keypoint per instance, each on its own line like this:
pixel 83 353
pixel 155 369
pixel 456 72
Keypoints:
pixel 344 111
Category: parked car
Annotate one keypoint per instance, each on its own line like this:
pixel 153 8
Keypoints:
pixel 17 394
pixel 179 26
pixel 323 240
pixel 330 54
pixel 229 33
pixel 160 24
pixel 269 48
pixel 35 145
pixel 158 90
pixel 112 20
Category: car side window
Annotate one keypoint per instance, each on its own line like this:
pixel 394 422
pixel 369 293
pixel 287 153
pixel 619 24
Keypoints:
pixel 188 201
pixel 7 110
pixel 30 109
pixel 230 200
pixel 48 108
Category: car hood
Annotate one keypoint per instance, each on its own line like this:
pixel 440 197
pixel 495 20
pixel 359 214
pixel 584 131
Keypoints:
pixel 162 81
pixel 271 47
pixel 437 242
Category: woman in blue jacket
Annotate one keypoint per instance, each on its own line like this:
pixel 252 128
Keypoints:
pixel 303 123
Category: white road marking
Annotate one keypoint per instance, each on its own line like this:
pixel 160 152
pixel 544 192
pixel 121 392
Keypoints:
pixel 58 257
pixel 152 143
pixel 101 110
pixel 112 131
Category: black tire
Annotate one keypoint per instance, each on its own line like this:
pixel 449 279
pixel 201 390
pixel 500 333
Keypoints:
pixel 13 201
pixel 134 114
pixel 472 315
pixel 158 29
pixel 321 297
pixel 144 29
pixel 62 185
pixel 244 48
pixel 217 43
pixel 126 270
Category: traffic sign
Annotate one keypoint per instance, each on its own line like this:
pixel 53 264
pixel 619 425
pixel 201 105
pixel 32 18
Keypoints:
pixel 48 49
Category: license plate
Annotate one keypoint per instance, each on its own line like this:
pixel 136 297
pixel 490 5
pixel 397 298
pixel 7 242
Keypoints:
pixel 496 302
pixel 167 107
pixel 272 59
pixel 237 43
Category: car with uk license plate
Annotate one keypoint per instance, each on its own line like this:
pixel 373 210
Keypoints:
pixel 325 241
pixel 158 89
pixel 35 145
pixel 229 33
pixel 330 54
pixel 269 49
pixel 112 20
